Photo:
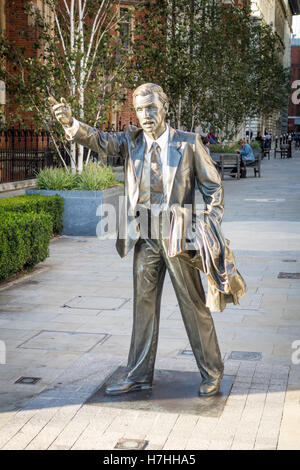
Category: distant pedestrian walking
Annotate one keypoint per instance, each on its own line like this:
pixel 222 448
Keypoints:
pixel 259 138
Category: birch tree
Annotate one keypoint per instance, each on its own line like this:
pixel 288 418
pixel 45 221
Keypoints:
pixel 215 63
pixel 77 55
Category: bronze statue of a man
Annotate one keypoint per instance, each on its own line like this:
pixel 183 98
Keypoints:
pixel 162 166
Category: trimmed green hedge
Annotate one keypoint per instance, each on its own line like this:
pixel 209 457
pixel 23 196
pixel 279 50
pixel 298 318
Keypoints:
pixel 24 240
pixel 52 205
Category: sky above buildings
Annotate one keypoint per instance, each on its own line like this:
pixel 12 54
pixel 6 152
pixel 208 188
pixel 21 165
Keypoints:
pixel 296 25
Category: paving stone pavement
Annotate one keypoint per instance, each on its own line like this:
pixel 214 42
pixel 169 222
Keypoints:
pixel 69 323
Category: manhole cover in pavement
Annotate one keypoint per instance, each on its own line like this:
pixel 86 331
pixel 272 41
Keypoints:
pixel 172 392
pixel 64 341
pixel 131 444
pixel 27 380
pixel 288 276
pixel 96 302
pixel 245 356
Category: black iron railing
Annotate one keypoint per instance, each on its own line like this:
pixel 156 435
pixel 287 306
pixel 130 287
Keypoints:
pixel 24 152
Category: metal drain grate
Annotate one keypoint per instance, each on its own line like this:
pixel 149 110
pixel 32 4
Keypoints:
pixel 131 444
pixel 288 276
pixel 289 260
pixel 245 356
pixel 28 380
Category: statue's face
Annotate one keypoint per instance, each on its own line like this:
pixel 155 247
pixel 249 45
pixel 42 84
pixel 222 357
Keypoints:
pixel 151 114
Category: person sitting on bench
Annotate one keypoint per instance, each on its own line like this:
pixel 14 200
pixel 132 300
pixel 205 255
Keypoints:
pixel 247 156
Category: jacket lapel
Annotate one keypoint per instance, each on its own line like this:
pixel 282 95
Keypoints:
pixel 136 158
pixel 174 157
pixel 137 151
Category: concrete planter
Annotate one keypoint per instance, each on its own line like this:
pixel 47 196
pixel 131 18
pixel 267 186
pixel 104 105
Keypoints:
pixel 81 208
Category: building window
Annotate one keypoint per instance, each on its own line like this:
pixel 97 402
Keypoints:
pixel 2 92
pixel 125 27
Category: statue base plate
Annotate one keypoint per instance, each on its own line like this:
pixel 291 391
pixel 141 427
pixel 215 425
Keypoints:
pixel 172 392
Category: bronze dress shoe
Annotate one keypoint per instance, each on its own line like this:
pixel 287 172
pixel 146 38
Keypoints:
pixel 210 387
pixel 126 386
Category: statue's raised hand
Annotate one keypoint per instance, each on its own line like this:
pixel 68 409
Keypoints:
pixel 61 111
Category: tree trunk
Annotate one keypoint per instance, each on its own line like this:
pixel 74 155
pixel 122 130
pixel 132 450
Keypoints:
pixel 73 156
pixel 81 117
pixel 81 81
pixel 73 85
pixel 179 113
pixel 80 159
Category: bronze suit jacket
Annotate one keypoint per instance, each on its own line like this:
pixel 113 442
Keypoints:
pixel 188 162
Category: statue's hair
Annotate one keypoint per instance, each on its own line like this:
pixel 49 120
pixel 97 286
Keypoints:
pixel 148 89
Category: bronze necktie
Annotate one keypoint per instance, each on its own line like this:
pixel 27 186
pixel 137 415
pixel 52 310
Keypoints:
pixel 156 179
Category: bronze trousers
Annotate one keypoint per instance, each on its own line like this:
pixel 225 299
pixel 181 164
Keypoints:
pixel 150 263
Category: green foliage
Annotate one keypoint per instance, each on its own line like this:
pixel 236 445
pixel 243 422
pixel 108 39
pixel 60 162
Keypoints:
pixel 93 177
pixel 24 240
pixel 216 63
pixel 56 178
pixel 51 205
pixel 47 68
pixel 255 144
pixel 219 148
pixel 86 68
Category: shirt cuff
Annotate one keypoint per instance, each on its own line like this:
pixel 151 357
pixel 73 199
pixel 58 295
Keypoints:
pixel 72 131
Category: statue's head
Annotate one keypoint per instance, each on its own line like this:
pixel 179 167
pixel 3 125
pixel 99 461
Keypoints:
pixel 151 106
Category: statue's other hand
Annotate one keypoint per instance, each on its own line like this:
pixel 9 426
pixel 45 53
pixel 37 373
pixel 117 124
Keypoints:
pixel 61 111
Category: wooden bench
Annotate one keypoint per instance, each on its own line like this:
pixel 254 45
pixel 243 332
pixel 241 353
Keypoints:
pixel 277 150
pixel 257 163
pixel 229 162
pixel 266 153
pixel 284 150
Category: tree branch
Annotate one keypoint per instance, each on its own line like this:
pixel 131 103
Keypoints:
pixel 67 8
pixel 93 34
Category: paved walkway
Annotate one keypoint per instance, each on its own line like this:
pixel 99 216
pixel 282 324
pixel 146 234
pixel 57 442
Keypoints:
pixel 69 324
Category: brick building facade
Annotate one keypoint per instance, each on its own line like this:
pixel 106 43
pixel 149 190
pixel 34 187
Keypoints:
pixel 22 150
pixel 294 107
pixel 124 114
pixel 19 28
pixel 13 21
